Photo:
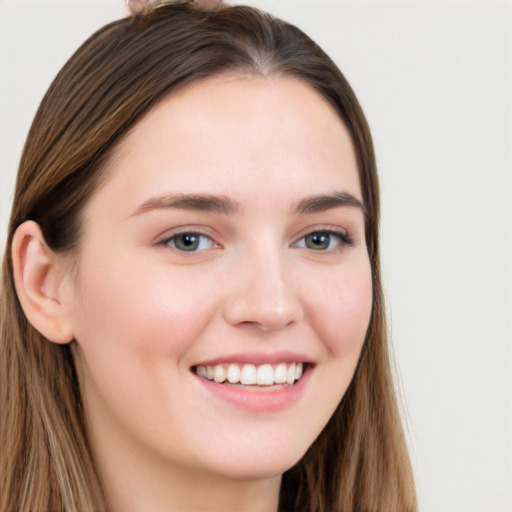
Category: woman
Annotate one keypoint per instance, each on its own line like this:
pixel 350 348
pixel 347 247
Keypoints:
pixel 192 314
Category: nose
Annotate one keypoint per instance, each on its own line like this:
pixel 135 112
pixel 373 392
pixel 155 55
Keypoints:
pixel 263 294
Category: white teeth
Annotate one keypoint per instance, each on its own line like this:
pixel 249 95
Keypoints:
pixel 298 371
pixel 233 373
pixel 219 374
pixel 280 373
pixel 265 375
pixel 250 374
pixel 290 374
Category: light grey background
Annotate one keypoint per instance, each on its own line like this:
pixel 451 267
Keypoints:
pixel 435 80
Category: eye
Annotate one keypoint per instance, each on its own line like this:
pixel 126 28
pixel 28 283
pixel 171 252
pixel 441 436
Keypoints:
pixel 189 242
pixel 323 240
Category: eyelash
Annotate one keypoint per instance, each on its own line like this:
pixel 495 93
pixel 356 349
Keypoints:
pixel 343 239
pixel 171 241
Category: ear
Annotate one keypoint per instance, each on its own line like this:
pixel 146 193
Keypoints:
pixel 39 277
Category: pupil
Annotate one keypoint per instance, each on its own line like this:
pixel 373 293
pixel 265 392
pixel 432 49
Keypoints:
pixel 319 240
pixel 188 242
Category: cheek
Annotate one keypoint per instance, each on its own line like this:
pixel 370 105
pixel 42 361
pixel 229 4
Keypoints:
pixel 142 312
pixel 341 310
pixel 134 329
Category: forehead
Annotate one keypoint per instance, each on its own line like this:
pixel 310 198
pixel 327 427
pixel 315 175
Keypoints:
pixel 247 137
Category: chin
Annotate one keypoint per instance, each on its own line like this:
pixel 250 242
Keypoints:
pixel 262 466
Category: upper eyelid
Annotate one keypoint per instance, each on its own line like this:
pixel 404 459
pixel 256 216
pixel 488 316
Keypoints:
pixel 191 229
pixel 164 242
pixel 209 233
pixel 346 239
pixel 323 228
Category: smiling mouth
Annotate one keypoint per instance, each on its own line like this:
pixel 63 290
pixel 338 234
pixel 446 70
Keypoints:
pixel 252 374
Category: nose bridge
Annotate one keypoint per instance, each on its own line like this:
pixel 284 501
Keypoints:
pixel 263 291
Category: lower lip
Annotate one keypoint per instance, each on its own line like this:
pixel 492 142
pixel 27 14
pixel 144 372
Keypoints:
pixel 259 400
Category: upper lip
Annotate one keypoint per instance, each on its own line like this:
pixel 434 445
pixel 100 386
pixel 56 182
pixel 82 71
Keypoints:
pixel 257 358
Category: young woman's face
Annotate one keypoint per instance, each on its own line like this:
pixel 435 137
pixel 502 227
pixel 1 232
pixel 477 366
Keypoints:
pixel 227 243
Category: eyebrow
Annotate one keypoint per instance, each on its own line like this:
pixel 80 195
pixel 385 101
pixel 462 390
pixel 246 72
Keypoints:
pixel 322 203
pixel 198 202
pixel 226 206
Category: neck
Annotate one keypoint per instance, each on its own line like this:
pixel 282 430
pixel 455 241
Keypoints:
pixel 189 491
pixel 136 484
pixel 200 494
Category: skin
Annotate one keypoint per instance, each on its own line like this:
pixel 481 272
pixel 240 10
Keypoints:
pixel 143 312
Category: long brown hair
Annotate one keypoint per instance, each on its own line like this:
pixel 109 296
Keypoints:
pixel 360 461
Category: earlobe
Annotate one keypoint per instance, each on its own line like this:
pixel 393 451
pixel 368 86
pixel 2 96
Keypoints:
pixel 38 276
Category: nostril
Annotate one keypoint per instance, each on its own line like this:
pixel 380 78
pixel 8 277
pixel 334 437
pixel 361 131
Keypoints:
pixel 262 327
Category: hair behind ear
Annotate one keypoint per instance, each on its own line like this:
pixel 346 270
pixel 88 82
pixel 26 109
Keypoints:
pixel 45 457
